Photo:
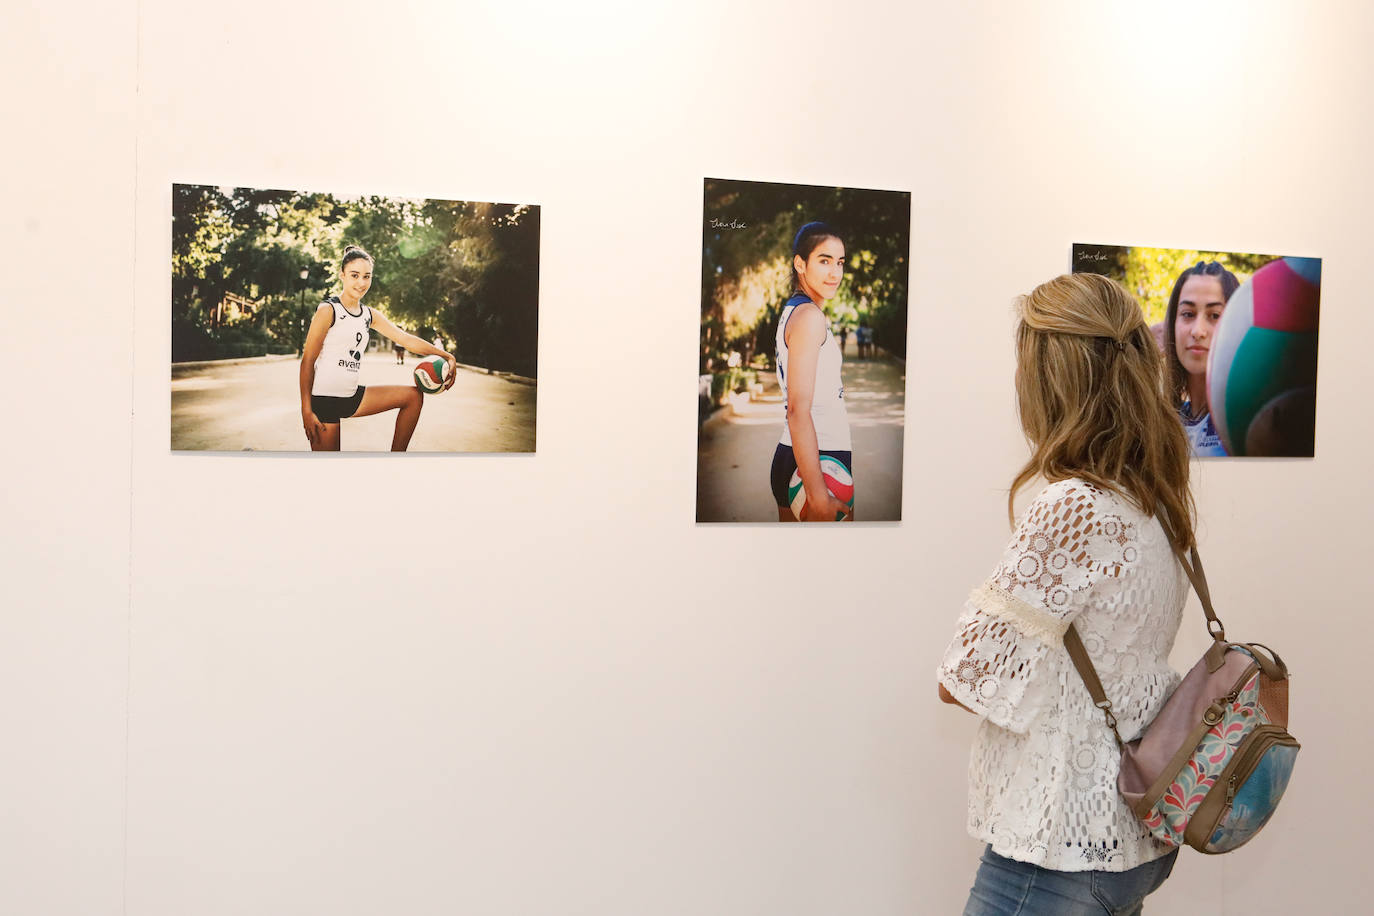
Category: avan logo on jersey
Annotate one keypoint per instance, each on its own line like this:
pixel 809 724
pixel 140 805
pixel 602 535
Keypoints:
pixel 355 359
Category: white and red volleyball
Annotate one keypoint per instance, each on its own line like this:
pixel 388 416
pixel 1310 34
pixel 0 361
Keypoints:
pixel 431 374
pixel 837 480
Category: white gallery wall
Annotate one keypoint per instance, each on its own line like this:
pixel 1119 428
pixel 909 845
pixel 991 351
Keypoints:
pixel 224 688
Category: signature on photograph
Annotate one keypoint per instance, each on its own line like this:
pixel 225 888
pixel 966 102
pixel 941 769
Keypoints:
pixel 1094 256
pixel 728 224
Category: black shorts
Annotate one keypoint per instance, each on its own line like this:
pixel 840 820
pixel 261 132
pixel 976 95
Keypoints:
pixel 785 465
pixel 332 410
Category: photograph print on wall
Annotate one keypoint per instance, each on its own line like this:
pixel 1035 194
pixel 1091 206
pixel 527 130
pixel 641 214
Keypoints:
pixel 802 353
pixel 307 321
pixel 1239 337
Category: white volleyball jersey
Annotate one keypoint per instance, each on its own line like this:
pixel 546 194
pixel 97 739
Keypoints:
pixel 336 368
pixel 828 412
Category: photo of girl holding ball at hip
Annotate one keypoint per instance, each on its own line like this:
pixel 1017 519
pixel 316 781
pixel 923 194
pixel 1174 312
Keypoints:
pixel 778 288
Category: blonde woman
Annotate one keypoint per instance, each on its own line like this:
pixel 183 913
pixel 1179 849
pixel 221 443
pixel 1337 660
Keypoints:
pixel 1104 436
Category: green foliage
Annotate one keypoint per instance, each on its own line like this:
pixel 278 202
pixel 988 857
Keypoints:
pixel 746 262
pixel 494 271
pixel 733 379
pixel 190 342
pixel 1150 273
pixel 468 272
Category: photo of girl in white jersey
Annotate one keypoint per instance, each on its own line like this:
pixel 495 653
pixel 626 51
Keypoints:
pixel 332 356
pixel 292 311
pixel 798 419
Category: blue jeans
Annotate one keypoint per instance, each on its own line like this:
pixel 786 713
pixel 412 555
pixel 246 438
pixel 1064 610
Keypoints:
pixel 1005 887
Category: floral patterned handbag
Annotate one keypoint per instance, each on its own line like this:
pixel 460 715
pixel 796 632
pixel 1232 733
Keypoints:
pixel 1212 766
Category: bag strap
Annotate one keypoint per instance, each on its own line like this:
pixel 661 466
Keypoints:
pixel 1074 644
pixel 1079 655
pixel 1197 577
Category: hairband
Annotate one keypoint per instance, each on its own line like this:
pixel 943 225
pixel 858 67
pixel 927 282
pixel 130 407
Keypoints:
pixel 796 239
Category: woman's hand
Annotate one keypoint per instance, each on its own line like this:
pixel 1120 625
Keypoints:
pixel 313 426
pixel 452 369
pixel 826 509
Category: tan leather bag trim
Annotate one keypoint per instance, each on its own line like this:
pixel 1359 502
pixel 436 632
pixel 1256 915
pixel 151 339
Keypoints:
pixel 1210 810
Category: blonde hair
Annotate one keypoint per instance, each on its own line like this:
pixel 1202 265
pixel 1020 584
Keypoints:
pixel 1090 387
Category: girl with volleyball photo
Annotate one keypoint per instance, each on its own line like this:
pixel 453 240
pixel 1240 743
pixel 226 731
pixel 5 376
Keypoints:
pixel 1239 335
pixel 815 445
pixel 1091 550
pixel 332 357
pixel 1195 307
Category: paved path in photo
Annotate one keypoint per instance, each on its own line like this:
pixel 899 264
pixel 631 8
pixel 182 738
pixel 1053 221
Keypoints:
pixel 255 405
pixel 736 447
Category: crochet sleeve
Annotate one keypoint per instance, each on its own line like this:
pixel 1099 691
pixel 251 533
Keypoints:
pixel 1002 661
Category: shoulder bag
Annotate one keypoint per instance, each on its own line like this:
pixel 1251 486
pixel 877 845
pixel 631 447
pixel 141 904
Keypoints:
pixel 1209 770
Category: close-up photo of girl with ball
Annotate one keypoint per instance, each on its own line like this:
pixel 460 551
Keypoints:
pixel 1239 339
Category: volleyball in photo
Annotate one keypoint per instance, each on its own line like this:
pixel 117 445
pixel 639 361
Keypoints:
pixel 837 480
pixel 431 374
pixel 1262 374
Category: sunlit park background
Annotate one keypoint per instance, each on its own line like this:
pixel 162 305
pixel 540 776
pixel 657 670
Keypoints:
pixel 249 268
pixel 747 234
pixel 1150 273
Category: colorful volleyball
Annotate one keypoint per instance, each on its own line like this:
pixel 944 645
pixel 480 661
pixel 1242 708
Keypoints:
pixel 837 480
pixel 1262 369
pixel 431 374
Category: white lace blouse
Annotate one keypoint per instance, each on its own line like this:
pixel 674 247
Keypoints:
pixel 1042 774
